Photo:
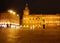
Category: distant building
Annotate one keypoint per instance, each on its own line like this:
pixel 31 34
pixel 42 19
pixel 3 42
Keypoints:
pixel 40 20
pixel 9 20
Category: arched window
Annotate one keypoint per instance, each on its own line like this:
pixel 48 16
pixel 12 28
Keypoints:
pixel 38 18
pixel 33 18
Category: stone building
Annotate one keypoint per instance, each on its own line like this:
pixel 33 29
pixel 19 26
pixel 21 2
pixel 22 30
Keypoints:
pixel 9 20
pixel 40 20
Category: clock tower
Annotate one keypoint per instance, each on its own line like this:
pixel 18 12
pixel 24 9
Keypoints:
pixel 26 10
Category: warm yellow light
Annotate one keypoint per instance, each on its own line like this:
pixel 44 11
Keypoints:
pixel 20 26
pixel 24 26
pixel 27 26
pixel 33 26
pixel 17 27
pixel 17 15
pixel 14 13
pixel 39 25
pixel 4 25
pixel 12 26
pixel 10 11
pixel 4 22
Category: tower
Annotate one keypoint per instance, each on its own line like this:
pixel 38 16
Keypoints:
pixel 26 10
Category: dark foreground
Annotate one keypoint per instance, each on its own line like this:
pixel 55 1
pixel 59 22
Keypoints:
pixel 29 36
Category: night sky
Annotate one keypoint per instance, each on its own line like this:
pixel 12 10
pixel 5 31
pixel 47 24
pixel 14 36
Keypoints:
pixel 35 6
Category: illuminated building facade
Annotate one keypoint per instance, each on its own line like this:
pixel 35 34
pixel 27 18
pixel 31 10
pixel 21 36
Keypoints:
pixel 40 20
pixel 9 20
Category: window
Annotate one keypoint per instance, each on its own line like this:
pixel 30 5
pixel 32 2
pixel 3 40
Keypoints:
pixel 38 18
pixel 33 18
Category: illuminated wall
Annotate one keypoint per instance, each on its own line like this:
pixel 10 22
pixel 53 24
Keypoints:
pixel 39 20
pixel 52 21
pixel 7 18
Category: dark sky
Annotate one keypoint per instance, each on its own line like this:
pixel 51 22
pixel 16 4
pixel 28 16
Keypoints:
pixel 35 6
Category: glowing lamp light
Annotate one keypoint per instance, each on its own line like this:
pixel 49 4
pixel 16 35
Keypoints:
pixel 10 11
pixel 17 27
pixel 17 15
pixel 20 26
pixel 12 26
pixel 4 25
pixel 24 26
pixel 39 25
pixel 27 26
pixel 33 26
pixel 14 13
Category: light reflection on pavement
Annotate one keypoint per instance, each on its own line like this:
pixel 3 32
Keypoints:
pixel 29 36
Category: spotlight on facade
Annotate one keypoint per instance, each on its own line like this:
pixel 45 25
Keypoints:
pixel 20 26
pixel 4 25
pixel 27 26
pixel 39 25
pixel 12 12
pixel 17 27
pixel 33 26
pixel 24 26
pixel 17 15
pixel 12 26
